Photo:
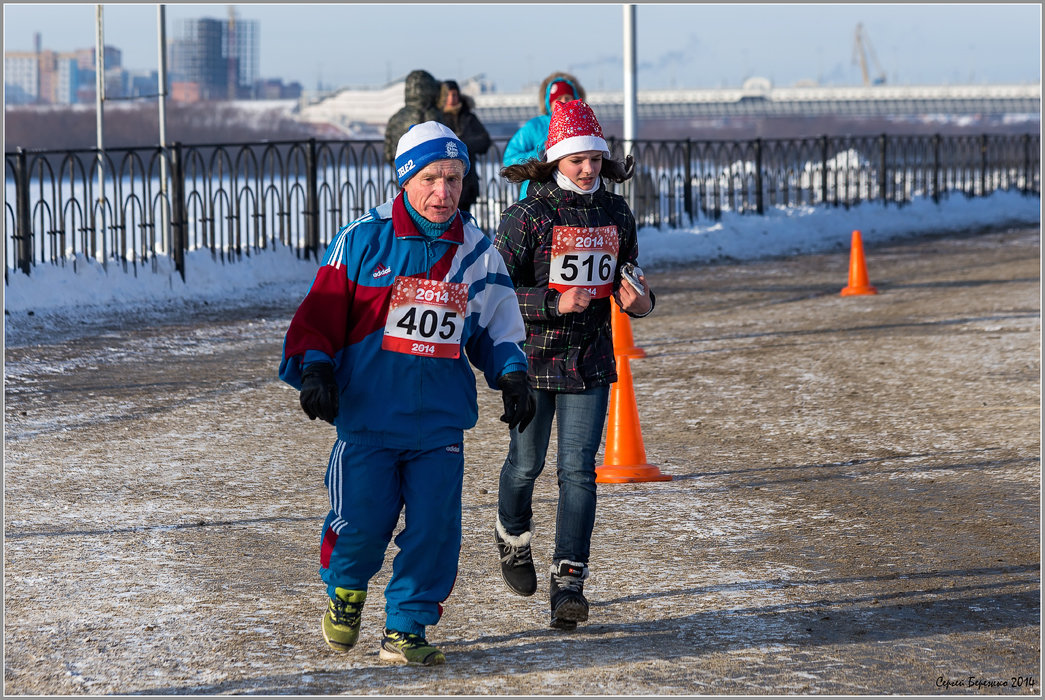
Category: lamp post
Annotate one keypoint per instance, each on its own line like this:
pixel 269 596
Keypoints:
pixel 630 99
pixel 161 30
pixel 99 98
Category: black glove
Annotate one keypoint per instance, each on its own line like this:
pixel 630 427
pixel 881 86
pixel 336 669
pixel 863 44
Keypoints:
pixel 319 391
pixel 518 401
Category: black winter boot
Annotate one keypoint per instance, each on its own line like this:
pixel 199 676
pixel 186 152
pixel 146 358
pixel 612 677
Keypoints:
pixel 516 561
pixel 568 604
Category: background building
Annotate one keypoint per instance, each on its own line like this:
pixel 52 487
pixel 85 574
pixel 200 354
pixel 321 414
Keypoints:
pixel 242 53
pixel 207 59
pixel 220 57
pixel 21 77
pixel 61 77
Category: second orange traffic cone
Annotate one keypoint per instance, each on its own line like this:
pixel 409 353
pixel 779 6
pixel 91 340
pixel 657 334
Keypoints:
pixel 858 282
pixel 623 342
pixel 625 453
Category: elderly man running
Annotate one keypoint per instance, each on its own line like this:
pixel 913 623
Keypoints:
pixel 378 348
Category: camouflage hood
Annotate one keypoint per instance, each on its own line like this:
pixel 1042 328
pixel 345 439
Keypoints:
pixel 421 89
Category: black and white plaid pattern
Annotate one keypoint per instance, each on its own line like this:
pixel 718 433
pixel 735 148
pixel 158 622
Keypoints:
pixel 571 352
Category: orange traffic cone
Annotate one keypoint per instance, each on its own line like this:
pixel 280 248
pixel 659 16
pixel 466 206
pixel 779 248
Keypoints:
pixel 623 343
pixel 858 283
pixel 625 453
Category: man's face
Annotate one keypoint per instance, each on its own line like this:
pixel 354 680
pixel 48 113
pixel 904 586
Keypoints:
pixel 435 191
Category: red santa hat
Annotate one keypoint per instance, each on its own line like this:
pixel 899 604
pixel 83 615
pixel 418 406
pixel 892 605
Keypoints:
pixel 573 129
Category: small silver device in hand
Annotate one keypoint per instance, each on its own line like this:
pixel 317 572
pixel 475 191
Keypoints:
pixel 631 273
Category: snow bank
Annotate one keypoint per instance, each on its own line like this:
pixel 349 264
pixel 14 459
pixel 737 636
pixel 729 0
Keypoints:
pixel 85 289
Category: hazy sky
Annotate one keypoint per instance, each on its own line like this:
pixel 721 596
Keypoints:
pixel 679 45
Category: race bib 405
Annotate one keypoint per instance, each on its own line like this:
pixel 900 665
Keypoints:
pixel 426 317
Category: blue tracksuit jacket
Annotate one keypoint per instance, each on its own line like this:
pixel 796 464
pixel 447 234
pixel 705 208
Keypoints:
pixel 391 399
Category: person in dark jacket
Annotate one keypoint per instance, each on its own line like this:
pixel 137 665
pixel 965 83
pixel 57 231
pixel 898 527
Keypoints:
pixel 528 141
pixel 420 92
pixel 458 115
pixel 565 247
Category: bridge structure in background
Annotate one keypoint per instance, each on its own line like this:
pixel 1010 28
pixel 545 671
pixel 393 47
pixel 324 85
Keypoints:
pixel 756 98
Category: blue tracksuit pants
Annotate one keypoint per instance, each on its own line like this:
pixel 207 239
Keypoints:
pixel 369 487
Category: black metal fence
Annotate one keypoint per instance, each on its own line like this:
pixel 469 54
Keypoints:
pixel 128 206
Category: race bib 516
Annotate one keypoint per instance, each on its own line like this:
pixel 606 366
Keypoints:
pixel 584 257
pixel 426 317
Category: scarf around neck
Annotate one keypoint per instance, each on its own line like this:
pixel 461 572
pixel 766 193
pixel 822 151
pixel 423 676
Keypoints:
pixel 428 229
pixel 568 184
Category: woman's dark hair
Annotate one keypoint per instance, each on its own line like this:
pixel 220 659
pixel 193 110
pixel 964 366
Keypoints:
pixel 540 171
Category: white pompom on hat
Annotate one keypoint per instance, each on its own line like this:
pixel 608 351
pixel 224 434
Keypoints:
pixel 573 129
pixel 424 143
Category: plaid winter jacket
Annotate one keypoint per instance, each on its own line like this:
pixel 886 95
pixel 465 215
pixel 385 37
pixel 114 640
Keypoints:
pixel 569 352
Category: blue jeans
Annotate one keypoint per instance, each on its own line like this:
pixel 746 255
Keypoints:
pixel 581 418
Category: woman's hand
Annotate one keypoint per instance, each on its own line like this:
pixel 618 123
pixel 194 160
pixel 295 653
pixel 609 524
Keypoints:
pixel 574 300
pixel 630 300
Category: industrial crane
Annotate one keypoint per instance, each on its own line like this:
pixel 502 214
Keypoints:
pixel 862 49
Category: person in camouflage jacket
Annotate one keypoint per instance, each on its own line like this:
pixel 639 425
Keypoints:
pixel 420 92
pixel 565 247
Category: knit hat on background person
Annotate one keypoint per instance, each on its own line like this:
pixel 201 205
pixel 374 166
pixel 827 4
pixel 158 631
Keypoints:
pixel 560 88
pixel 425 143
pixel 544 90
pixel 573 129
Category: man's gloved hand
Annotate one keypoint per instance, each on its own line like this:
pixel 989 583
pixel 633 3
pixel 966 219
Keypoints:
pixel 319 391
pixel 519 405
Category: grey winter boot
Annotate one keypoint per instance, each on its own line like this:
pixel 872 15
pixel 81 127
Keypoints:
pixel 516 561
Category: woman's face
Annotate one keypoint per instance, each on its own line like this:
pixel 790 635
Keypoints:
pixel 582 168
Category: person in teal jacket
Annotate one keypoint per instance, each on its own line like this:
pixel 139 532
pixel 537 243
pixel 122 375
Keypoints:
pixel 407 300
pixel 528 141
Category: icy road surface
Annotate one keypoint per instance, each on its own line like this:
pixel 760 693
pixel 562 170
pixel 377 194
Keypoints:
pixel 854 506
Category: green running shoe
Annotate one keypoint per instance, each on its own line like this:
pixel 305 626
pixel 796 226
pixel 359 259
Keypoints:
pixel 341 621
pixel 406 648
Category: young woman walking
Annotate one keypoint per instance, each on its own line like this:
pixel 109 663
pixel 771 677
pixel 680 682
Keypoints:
pixel 566 247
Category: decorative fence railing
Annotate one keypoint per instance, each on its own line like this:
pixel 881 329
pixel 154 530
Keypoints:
pixel 127 206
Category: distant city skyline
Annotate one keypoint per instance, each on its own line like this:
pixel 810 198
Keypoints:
pixel 516 45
